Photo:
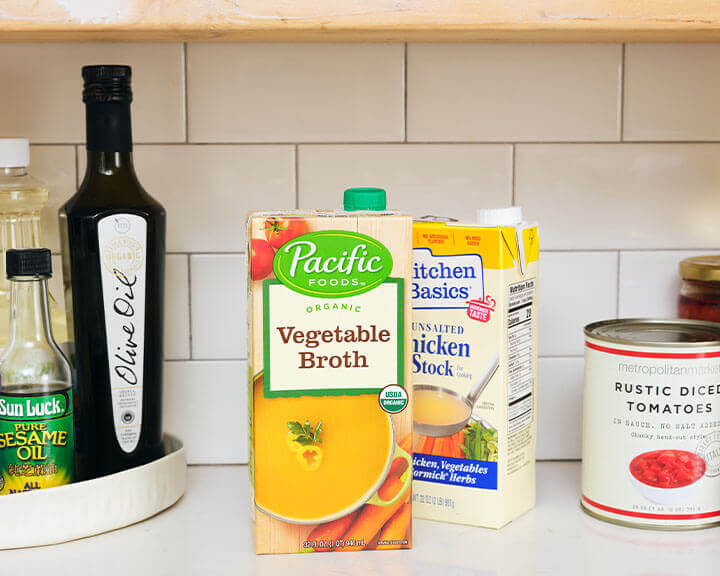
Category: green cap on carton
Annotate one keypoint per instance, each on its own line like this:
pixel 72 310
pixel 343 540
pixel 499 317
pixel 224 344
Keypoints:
pixel 364 199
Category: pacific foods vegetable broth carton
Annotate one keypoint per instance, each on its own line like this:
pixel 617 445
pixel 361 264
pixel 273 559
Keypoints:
pixel 330 380
pixel 474 365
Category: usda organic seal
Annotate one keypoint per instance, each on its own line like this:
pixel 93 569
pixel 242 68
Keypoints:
pixel 393 399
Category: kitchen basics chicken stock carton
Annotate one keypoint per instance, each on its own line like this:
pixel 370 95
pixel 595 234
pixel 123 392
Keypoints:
pixel 474 363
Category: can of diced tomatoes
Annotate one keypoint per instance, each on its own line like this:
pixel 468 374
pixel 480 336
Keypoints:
pixel 651 423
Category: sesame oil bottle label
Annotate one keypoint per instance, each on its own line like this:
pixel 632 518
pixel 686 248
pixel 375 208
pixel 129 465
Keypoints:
pixel 36 441
pixel 122 242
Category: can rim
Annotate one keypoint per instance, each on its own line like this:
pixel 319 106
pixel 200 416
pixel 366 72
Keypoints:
pixel 590 331
pixel 646 525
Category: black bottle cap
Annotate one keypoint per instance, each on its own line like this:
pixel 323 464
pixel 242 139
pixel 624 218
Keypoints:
pixel 28 262
pixel 107 83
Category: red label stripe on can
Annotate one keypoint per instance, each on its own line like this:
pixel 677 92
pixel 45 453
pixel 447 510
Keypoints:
pixel 647 515
pixel 638 354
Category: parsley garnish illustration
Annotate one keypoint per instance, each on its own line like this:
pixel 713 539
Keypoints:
pixel 305 434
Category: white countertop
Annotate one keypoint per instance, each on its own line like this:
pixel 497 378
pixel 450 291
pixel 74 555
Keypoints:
pixel 208 532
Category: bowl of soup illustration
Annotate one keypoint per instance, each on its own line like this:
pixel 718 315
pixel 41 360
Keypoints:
pixel 439 411
pixel 352 458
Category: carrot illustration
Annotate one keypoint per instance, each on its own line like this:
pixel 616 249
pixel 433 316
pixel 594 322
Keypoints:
pixel 398 467
pixel 372 518
pixel 395 530
pixel 329 532
pixel 422 443
pixel 439 447
pixel 389 488
pixel 429 445
pixel 406 443
pixel 450 443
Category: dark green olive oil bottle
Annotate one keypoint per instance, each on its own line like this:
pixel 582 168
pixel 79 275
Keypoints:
pixel 113 235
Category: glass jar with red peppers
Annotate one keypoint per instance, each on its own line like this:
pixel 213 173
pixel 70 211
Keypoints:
pixel 700 291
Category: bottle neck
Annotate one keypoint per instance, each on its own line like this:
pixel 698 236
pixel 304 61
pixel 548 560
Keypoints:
pixel 18 230
pixel 108 127
pixel 29 314
pixel 102 163
pixel 109 139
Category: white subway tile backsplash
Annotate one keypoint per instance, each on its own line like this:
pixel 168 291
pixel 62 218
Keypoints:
pixel 513 92
pixel 576 288
pixel 205 404
pixel 41 96
pixel 672 92
pixel 615 196
pixel 208 190
pixel 219 294
pixel 650 282
pixel 487 125
pixel 177 307
pixel 448 180
pixel 295 92
pixel 560 399
pixel 55 165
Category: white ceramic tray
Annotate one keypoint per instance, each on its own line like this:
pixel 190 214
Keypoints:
pixel 55 515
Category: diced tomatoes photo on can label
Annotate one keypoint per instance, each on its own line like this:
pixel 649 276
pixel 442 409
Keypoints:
pixel 668 468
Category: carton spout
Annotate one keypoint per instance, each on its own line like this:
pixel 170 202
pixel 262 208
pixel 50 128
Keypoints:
pixel 510 216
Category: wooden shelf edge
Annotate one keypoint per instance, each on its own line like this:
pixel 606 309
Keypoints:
pixel 361 20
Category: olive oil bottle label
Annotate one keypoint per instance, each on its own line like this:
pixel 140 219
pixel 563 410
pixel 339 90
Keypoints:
pixel 122 242
pixel 36 441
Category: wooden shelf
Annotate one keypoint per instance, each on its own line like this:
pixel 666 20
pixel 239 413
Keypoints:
pixel 362 20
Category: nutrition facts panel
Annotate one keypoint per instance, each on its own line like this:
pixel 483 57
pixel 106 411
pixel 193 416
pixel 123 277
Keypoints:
pixel 520 349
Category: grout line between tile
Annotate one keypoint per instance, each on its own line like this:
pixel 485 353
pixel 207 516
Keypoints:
pixel 297 176
pixel 76 167
pixel 405 92
pixel 408 143
pixel 513 176
pixel 190 308
pixel 617 249
pixel 617 287
pixel 206 252
pixel 186 108
pixel 621 95
pixel 543 250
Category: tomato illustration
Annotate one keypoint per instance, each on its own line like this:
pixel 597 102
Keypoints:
pixel 261 258
pixel 668 468
pixel 281 230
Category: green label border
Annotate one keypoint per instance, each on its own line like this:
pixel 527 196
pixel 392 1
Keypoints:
pixel 399 282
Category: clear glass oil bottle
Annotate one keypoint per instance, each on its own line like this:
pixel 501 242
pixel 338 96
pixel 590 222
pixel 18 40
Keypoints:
pixel 22 197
